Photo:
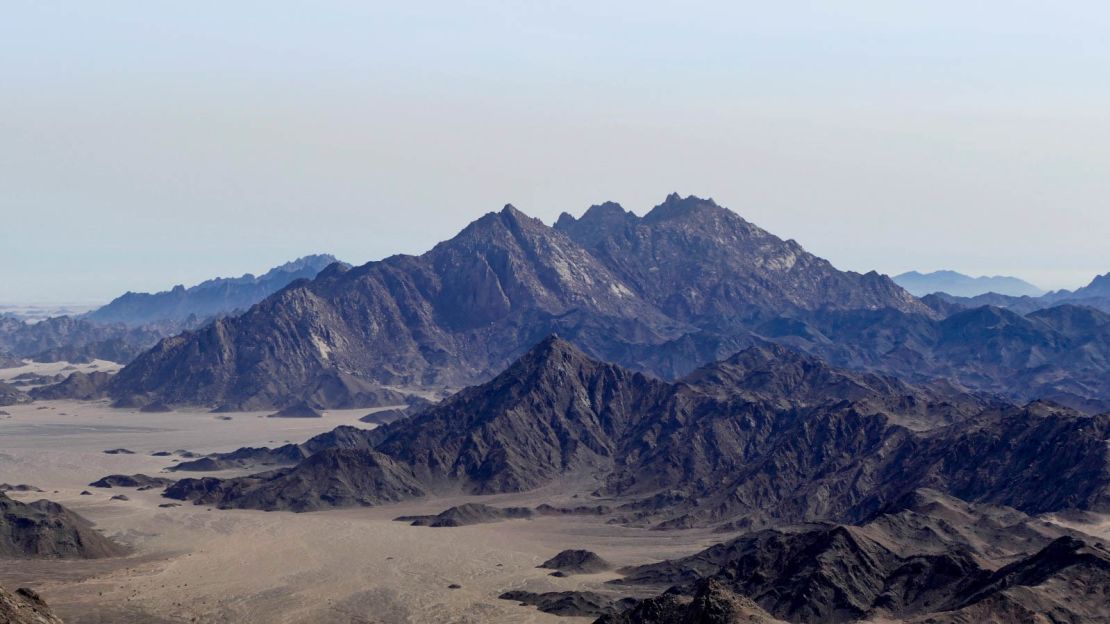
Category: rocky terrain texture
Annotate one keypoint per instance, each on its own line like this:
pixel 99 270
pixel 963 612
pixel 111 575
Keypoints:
pixel 140 481
pixel 64 338
pixel 19 487
pixel 711 602
pixel 12 395
pixel 78 385
pixel 47 529
pixel 766 437
pixel 285 455
pixel 837 573
pixel 7 360
pixel 24 606
pixel 214 297
pixel 467 514
pixel 571 603
pixel 297 410
pixel 576 562
pixel 337 477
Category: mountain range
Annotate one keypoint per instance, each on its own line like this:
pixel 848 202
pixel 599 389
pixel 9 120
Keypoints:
pixel 765 437
pixel 214 297
pixel 1096 294
pixel 863 453
pixel 929 558
pixel 134 322
pixel 617 285
pixel 960 285
pixel 688 283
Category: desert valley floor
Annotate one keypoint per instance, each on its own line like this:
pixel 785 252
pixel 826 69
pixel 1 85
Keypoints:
pixel 195 564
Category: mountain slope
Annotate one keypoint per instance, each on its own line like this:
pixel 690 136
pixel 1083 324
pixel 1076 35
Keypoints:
pixel 24 606
pixel 843 574
pixel 1060 353
pixel 47 529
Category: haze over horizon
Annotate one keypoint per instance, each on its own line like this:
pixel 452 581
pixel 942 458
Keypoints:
pixel 152 145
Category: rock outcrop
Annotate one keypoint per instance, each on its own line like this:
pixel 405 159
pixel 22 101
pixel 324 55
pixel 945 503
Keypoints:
pixel 468 514
pixel 47 529
pixel 24 606
pixel 11 395
pixel 570 562
pixel 78 385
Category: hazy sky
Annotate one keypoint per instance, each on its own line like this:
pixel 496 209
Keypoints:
pixel 144 144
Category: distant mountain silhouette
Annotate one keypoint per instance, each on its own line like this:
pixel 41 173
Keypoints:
pixel 960 285
pixel 135 322
pixel 1094 295
pixel 209 298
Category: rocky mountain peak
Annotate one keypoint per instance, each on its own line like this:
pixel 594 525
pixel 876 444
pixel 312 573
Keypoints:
pixel 675 207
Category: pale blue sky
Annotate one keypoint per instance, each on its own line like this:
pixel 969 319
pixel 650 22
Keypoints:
pixel 144 143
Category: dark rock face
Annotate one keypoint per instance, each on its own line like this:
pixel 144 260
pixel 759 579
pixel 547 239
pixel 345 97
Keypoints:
pixel 24 606
pixel 839 574
pixel 576 562
pixel 552 412
pixel 297 410
pixel 416 405
pixel 131 481
pixel 10 395
pixel 468 514
pixel 464 310
pixel 766 437
pixel 22 487
pixel 286 455
pixel 119 451
pixel 570 603
pixel 79 386
pixel 156 407
pixel 210 298
pixel 384 417
pixel 712 603
pixel 46 529
pixel 329 478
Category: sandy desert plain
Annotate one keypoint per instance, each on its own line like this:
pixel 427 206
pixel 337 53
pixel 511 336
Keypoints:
pixel 196 564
